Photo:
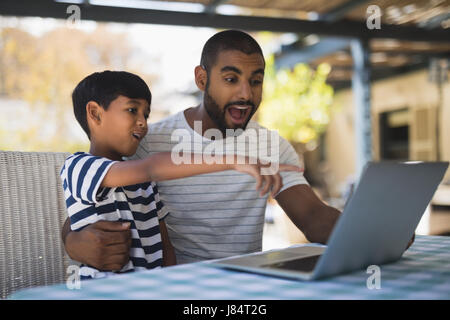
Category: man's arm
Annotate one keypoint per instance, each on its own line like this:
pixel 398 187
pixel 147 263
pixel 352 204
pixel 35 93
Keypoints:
pixel 104 245
pixel 169 258
pixel 312 216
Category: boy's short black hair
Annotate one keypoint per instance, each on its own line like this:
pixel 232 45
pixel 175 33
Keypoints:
pixel 227 40
pixel 104 87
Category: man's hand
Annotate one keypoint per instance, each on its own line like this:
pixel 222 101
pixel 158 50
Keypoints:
pixel 104 245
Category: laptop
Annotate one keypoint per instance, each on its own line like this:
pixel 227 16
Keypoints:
pixel 374 228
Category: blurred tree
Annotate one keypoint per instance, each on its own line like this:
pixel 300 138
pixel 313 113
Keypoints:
pixel 44 70
pixel 296 102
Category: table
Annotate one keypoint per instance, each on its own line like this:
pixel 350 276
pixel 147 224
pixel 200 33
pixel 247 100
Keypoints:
pixel 422 273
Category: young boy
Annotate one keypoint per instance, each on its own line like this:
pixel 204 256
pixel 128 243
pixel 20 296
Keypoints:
pixel 112 107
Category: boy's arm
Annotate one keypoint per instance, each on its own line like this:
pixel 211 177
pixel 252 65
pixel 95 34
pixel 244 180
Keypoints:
pixel 160 167
pixel 156 167
pixel 169 258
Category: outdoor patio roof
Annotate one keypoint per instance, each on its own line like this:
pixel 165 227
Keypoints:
pixel 412 31
pixel 345 18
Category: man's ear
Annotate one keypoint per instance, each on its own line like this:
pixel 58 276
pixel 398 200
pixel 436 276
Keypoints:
pixel 201 77
pixel 93 112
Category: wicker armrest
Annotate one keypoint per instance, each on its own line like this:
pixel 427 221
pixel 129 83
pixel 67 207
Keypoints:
pixel 32 211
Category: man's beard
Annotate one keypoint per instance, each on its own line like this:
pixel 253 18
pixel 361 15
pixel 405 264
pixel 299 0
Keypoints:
pixel 217 114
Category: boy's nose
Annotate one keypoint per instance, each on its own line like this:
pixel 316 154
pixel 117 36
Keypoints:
pixel 142 122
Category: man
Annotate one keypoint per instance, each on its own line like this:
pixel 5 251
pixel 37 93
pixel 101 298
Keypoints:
pixel 213 215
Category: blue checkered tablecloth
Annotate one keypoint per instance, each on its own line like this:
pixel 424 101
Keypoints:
pixel 422 273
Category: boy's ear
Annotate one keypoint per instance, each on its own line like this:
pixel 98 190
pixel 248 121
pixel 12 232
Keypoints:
pixel 93 112
pixel 201 77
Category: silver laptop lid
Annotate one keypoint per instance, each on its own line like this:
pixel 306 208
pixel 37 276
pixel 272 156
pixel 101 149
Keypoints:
pixel 382 215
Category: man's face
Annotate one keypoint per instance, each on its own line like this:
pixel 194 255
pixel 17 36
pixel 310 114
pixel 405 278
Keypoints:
pixel 234 89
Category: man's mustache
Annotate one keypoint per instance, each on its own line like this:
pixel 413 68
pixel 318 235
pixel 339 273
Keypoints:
pixel 240 103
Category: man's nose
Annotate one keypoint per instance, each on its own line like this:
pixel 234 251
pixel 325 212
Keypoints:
pixel 245 91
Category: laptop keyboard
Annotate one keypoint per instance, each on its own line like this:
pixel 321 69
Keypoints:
pixel 283 255
pixel 301 264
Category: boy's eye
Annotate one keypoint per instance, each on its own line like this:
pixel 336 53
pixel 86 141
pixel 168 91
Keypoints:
pixel 230 79
pixel 132 110
pixel 255 82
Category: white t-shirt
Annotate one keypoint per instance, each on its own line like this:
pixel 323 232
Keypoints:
pixel 218 214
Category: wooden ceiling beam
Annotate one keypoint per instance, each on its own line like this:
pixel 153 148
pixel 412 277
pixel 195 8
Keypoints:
pixel 351 29
pixel 341 10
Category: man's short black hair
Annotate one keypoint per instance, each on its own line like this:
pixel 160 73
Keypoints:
pixel 103 88
pixel 227 40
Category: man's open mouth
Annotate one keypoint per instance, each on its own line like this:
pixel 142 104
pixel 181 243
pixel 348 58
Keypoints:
pixel 239 114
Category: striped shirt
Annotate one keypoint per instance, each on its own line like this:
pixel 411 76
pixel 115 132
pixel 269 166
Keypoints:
pixel 218 214
pixel 139 204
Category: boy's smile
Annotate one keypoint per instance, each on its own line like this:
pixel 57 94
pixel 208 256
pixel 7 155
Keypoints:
pixel 120 128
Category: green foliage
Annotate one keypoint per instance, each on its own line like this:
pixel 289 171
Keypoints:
pixel 296 102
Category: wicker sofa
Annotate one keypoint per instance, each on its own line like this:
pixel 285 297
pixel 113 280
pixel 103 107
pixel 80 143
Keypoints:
pixel 32 212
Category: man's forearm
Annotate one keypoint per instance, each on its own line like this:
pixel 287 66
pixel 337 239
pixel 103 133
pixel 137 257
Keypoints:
pixel 310 214
pixel 169 258
pixel 321 226
pixel 104 245
pixel 65 233
pixel 65 230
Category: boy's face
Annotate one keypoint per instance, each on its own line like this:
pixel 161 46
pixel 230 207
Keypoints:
pixel 122 127
pixel 234 89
